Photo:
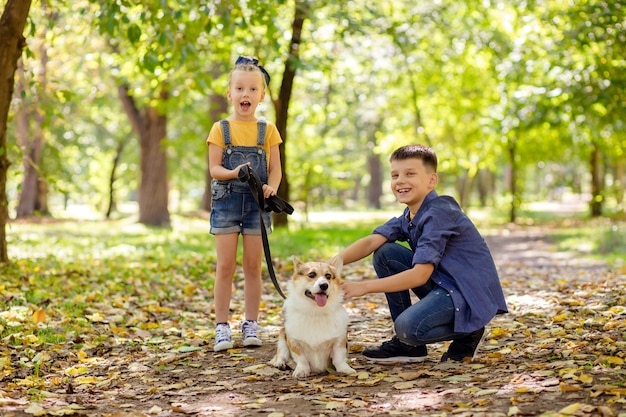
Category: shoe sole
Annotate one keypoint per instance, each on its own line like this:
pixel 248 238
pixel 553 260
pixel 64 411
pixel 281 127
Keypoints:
pixel 252 341
pixel 397 359
pixel 480 342
pixel 222 346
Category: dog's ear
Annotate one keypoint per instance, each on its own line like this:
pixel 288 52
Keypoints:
pixel 337 263
pixel 296 263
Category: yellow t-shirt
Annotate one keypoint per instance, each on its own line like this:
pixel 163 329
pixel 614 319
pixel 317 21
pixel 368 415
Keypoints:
pixel 245 134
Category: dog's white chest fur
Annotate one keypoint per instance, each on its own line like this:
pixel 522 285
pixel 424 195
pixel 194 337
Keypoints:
pixel 314 337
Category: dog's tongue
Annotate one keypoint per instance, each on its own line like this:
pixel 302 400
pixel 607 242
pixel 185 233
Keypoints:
pixel 321 299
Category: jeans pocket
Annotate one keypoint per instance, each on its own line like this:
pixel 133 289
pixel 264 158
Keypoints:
pixel 219 190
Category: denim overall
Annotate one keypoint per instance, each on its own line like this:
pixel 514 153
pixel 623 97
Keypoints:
pixel 233 208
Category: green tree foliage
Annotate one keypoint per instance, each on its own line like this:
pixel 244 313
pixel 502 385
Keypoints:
pixel 590 60
pixel 517 98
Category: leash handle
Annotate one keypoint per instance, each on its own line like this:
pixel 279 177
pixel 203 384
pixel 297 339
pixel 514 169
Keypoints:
pixel 247 174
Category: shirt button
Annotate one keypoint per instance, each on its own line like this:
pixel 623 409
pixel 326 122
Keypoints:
pixel 457 309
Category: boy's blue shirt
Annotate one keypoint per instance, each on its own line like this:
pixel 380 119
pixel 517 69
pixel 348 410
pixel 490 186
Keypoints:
pixel 442 235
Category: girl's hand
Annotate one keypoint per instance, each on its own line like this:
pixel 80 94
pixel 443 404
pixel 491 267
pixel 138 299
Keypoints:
pixel 236 170
pixel 268 191
pixel 353 289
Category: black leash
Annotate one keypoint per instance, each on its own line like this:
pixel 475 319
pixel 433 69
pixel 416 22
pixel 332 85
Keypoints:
pixel 274 203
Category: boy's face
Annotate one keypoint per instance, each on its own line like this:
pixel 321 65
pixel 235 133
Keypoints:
pixel 246 91
pixel 411 181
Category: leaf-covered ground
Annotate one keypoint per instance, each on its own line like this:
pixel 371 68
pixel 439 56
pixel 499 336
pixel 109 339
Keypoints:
pixel 560 351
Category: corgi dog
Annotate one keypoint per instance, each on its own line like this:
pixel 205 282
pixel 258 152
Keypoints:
pixel 315 332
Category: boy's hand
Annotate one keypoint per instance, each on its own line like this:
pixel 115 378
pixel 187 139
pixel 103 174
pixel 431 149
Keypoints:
pixel 353 289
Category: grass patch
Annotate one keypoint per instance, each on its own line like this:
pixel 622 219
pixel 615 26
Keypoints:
pixel 600 239
pixel 71 266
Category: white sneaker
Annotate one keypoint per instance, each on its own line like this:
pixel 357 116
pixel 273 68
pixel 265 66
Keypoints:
pixel 222 337
pixel 248 330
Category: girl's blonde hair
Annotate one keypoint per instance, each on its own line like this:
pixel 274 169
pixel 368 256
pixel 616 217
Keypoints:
pixel 248 63
pixel 247 68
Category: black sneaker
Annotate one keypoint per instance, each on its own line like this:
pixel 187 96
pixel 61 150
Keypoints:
pixel 395 351
pixel 465 347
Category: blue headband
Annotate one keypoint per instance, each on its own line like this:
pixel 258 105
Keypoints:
pixel 242 60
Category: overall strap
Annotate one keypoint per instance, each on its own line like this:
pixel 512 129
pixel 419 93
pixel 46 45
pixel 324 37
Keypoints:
pixel 226 132
pixel 262 125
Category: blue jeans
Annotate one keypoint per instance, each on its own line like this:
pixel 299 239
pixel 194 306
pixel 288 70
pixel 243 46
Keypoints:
pixel 234 210
pixel 428 321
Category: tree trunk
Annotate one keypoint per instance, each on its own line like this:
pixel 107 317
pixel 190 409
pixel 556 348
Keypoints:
pixel 513 183
pixel 466 185
pixel 41 202
pixel 462 182
pixel 596 182
pixel 375 188
pixel 619 185
pixel 153 191
pixel 116 160
pixel 12 42
pixel 218 108
pixel 150 126
pixel 282 104
pixel 484 186
pixel 31 150
pixel 33 199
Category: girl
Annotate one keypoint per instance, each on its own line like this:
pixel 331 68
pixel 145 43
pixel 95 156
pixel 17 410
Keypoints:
pixel 241 140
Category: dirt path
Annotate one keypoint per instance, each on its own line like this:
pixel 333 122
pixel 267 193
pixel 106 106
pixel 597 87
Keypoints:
pixel 532 248
pixel 560 351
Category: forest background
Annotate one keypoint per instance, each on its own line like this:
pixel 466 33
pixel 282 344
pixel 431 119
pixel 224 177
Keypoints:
pixel 522 101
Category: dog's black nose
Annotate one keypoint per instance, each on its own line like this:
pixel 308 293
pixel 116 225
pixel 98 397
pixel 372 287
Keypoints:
pixel 324 286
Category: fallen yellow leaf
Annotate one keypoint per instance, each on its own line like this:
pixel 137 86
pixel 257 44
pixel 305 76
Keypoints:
pixel 613 360
pixel 158 309
pixel 39 316
pixel 513 410
pixel 405 385
pixel 334 405
pixel 498 331
pixel 569 388
pixel 35 409
pixel 30 339
pixel 76 370
pixel 605 411
pixel 570 409
pixel 87 380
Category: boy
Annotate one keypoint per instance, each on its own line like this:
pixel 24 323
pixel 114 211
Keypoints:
pixel 448 266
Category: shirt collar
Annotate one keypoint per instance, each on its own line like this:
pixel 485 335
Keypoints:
pixel 429 197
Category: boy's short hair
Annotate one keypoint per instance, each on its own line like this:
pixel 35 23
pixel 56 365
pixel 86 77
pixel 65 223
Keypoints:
pixel 423 152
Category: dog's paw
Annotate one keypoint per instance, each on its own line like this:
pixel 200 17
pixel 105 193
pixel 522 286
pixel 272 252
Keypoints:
pixel 301 372
pixel 279 363
pixel 345 369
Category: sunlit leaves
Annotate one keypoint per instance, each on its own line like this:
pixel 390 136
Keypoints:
pixel 134 33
